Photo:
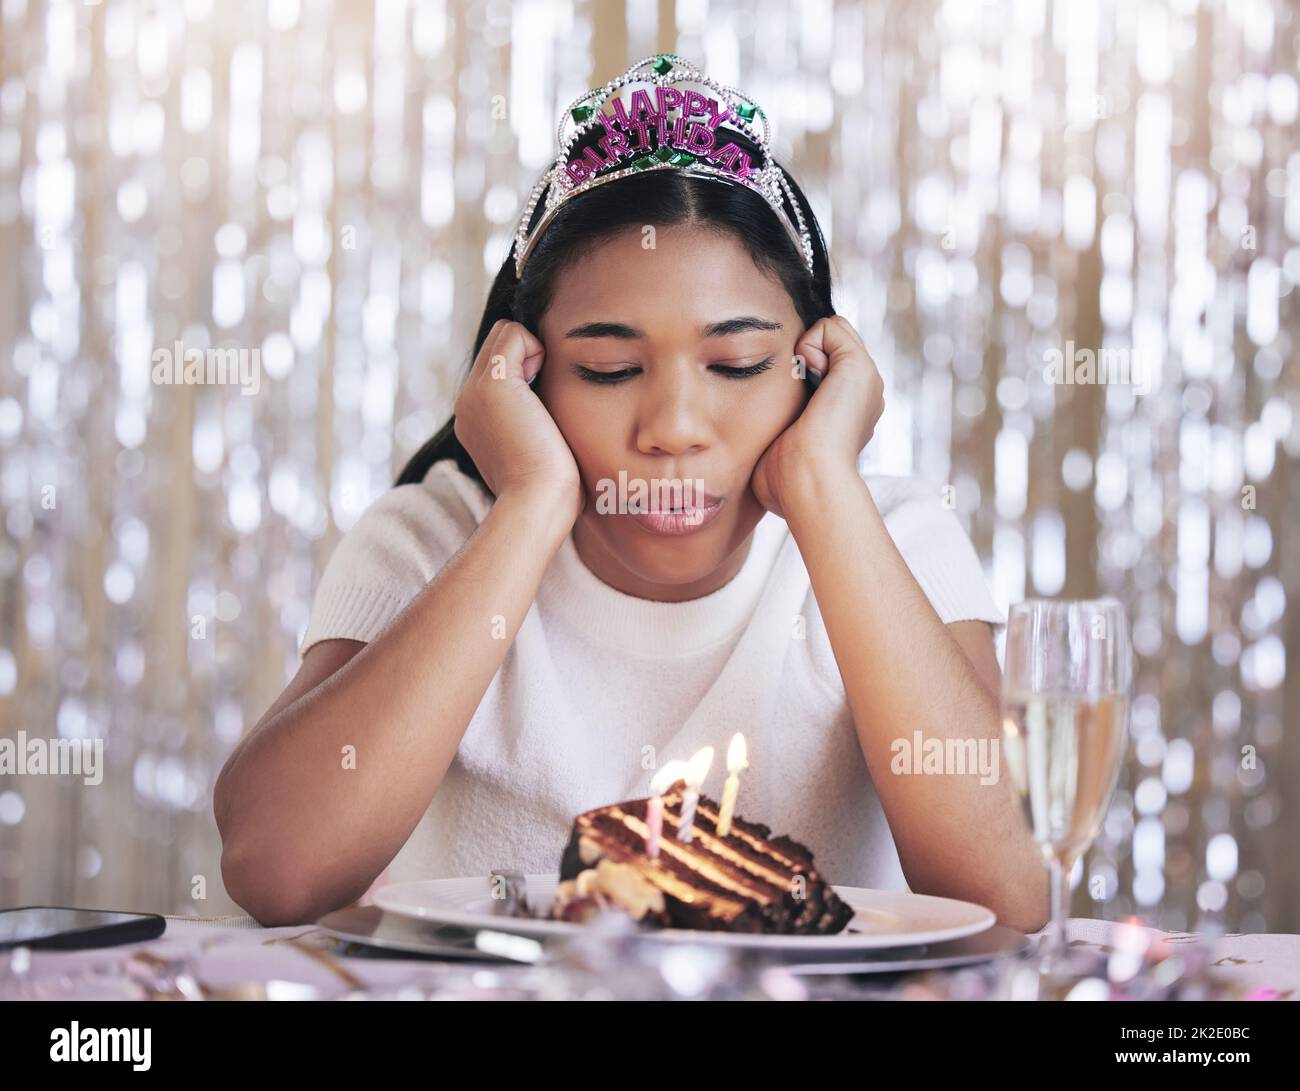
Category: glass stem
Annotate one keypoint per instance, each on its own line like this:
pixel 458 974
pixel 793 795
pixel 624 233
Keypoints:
pixel 1054 942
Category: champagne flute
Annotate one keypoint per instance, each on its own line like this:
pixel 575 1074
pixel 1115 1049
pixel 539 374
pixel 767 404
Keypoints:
pixel 1065 698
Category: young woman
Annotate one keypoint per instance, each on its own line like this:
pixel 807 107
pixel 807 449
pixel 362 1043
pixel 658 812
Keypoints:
pixel 505 640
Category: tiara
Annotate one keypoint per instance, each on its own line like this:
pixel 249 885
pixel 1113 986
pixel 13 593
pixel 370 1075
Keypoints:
pixel 662 127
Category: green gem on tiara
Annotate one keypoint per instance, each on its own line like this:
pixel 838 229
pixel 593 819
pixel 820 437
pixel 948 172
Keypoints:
pixel 682 159
pixel 746 110
pixel 581 113
pixel 663 154
pixel 662 64
pixel 643 162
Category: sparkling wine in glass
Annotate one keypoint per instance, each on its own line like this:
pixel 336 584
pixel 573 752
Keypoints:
pixel 1065 698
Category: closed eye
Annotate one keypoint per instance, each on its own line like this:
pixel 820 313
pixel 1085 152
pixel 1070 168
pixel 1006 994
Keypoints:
pixel 605 376
pixel 626 373
pixel 745 372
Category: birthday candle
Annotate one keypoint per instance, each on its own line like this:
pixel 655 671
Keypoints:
pixel 686 830
pixel 737 759
pixel 700 762
pixel 654 819
pixel 669 775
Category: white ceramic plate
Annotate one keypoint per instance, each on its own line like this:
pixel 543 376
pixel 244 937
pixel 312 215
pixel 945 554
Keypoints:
pixel 882 918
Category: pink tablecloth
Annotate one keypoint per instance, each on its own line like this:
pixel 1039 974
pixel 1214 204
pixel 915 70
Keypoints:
pixel 234 952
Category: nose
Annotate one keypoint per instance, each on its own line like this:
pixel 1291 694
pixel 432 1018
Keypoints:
pixel 674 417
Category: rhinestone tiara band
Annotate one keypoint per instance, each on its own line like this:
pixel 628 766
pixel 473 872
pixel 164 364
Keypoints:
pixel 661 127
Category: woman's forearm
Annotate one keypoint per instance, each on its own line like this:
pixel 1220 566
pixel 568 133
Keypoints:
pixel 903 672
pixel 326 792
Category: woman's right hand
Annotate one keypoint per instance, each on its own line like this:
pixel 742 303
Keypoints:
pixel 511 436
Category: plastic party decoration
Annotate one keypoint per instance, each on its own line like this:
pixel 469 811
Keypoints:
pixel 667 122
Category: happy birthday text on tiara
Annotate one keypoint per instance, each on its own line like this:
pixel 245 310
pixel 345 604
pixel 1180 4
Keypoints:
pixel 693 137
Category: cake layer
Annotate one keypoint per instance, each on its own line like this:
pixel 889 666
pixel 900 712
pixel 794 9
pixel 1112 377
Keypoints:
pixel 747 881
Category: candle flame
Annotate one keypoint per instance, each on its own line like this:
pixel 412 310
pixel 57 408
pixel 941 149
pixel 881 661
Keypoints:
pixel 669 775
pixel 737 754
pixel 700 763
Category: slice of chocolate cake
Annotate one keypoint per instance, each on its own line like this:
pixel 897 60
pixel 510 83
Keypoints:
pixel 747 881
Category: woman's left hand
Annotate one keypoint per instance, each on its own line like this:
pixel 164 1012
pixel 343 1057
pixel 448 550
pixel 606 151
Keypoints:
pixel 835 425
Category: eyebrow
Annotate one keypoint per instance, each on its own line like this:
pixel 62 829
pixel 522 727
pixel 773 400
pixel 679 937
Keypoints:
pixel 726 328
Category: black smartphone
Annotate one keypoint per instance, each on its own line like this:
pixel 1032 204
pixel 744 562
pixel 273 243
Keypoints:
pixel 66 929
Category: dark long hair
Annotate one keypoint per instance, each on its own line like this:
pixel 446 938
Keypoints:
pixel 659 197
